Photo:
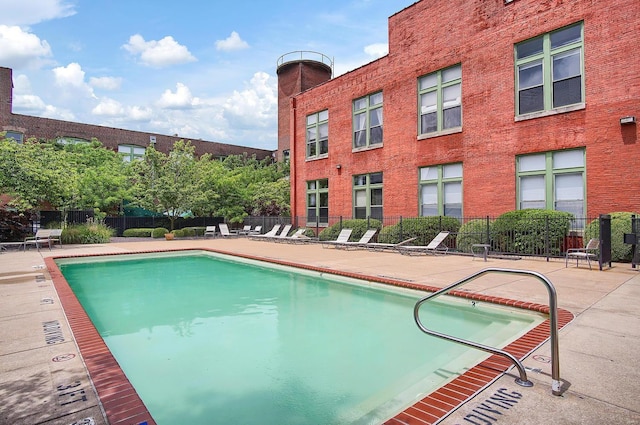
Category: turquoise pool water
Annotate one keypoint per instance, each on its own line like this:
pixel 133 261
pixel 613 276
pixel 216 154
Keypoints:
pixel 207 339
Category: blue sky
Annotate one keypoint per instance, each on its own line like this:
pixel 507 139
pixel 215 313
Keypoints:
pixel 199 69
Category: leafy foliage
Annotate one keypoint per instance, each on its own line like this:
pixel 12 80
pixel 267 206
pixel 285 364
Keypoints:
pixel 523 231
pixel 424 229
pixel 88 233
pixel 472 232
pixel 620 224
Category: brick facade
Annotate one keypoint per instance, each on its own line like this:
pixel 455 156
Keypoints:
pixel 50 129
pixel 480 35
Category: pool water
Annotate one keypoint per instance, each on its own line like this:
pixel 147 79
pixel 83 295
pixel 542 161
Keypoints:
pixel 205 339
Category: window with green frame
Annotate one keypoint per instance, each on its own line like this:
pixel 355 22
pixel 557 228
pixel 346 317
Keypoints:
pixel 318 134
pixel 439 98
pixel 367 196
pixel 549 70
pixel 367 121
pixel 131 152
pixel 552 180
pixel 15 135
pixel 72 141
pixel 441 190
pixel 318 201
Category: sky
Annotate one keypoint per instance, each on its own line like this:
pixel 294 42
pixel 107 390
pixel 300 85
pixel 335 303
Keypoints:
pixel 202 69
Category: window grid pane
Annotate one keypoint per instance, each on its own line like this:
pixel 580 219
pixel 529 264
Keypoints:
pixel 440 103
pixel 441 190
pixel 367 121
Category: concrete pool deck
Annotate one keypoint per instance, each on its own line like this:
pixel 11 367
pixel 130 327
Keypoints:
pixel 43 379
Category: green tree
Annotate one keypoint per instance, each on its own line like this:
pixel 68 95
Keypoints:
pixel 166 183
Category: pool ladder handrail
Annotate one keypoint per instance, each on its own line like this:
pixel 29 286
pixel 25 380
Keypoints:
pixel 553 322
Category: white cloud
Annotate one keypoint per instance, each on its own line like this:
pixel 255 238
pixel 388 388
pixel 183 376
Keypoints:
pixel 25 102
pixel 19 49
pixel 180 99
pixel 105 83
pixel 233 42
pixel 137 113
pixel 71 79
pixel 377 50
pixel 108 107
pixel 255 106
pixel 30 12
pixel 158 53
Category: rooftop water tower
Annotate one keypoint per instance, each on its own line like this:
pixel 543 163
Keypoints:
pixel 297 71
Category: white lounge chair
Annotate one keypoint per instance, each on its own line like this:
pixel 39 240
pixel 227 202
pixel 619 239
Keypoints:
pixel 379 246
pixel 224 230
pixel 297 236
pixel 245 230
pixel 269 234
pixel 343 237
pixel 284 233
pixel 365 239
pixel 210 231
pixel 435 246
pixel 255 231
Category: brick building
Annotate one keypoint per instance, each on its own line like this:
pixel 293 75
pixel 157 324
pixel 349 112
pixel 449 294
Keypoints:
pixel 479 108
pixel 132 143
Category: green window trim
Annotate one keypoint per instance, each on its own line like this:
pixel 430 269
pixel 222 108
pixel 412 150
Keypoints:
pixel 440 101
pixel 368 121
pixel 554 180
pixel 318 202
pixel 549 72
pixel 367 196
pixel 441 190
pixel 131 152
pixel 317 135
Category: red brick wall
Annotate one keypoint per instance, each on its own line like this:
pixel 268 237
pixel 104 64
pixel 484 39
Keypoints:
pixel 480 34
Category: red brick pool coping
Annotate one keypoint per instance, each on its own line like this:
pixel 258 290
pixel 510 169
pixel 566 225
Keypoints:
pixel 122 405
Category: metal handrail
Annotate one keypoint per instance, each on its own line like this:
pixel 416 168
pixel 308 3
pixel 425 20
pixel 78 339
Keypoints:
pixel 553 319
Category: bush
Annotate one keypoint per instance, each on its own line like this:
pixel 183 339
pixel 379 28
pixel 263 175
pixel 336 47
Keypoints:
pixel 86 234
pixel 424 229
pixel 159 232
pixel 620 224
pixel 188 232
pixel 473 232
pixel 523 231
pixel 359 227
pixel 137 233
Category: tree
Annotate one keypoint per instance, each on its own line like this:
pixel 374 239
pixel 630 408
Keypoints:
pixel 166 183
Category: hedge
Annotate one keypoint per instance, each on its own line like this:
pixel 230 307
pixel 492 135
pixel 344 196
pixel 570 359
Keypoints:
pixel 473 232
pixel 424 229
pixel 620 224
pixel 523 231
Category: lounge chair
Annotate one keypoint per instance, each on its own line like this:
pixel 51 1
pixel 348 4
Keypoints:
pixel 284 233
pixel 55 236
pixel 269 234
pixel 365 239
pixel 379 246
pixel 343 237
pixel 589 252
pixel 245 230
pixel 41 238
pixel 255 231
pixel 210 231
pixel 224 230
pixel 435 246
pixel 298 236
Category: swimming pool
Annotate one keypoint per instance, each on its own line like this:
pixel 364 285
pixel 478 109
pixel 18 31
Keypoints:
pixel 304 319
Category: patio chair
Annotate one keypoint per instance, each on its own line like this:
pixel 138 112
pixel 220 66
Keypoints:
pixel 284 233
pixel 435 246
pixel 245 230
pixel 343 237
pixel 210 231
pixel 297 236
pixel 224 230
pixel 379 246
pixel 269 234
pixel 255 231
pixel 365 239
pixel 589 252
pixel 41 237
pixel 55 236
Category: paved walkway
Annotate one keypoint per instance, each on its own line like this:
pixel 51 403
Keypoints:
pixel 43 379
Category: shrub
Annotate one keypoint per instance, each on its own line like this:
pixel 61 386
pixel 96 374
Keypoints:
pixel 359 227
pixel 159 232
pixel 523 231
pixel 137 233
pixel 86 234
pixel 188 232
pixel 620 224
pixel 424 229
pixel 473 232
